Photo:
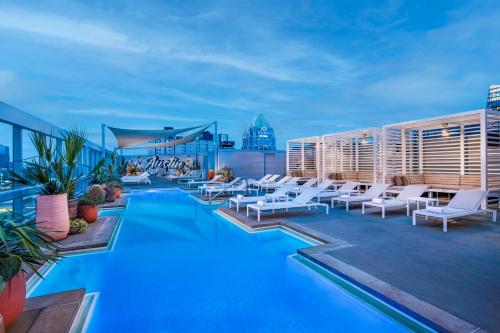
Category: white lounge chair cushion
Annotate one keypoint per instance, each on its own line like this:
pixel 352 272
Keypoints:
pixel 438 210
pixel 467 199
pixel 345 196
pixel 239 196
pixel 378 200
pixel 261 203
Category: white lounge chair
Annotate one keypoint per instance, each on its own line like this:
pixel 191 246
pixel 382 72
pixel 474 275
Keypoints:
pixel 231 187
pixel 375 191
pixel 308 184
pixel 346 188
pixel 218 186
pixel 278 195
pixel 401 200
pixel 303 200
pixel 215 180
pixel 269 186
pixel 192 176
pixel 136 179
pixel 464 203
pixel 256 183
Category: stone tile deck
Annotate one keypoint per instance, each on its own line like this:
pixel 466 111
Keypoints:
pixel 456 272
pixel 98 235
pixel 52 313
pixel 118 203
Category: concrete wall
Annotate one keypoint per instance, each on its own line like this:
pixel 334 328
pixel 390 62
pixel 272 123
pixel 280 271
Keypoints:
pixel 253 164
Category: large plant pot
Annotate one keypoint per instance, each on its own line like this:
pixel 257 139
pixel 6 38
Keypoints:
pixel 12 300
pixel 72 208
pixel 211 174
pixel 52 215
pixel 88 213
pixel 118 193
pixel 110 195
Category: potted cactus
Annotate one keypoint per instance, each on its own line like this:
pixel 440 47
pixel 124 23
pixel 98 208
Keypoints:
pixel 87 205
pixel 21 245
pixel 77 226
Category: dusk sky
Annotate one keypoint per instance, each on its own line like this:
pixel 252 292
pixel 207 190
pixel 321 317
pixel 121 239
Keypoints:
pixel 312 67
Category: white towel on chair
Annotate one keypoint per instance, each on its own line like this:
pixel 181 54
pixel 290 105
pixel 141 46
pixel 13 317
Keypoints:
pixel 239 196
pixel 345 196
pixel 296 188
pixel 378 200
pixel 260 203
pixel 438 210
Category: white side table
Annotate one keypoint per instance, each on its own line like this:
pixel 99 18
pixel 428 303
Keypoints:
pixel 428 202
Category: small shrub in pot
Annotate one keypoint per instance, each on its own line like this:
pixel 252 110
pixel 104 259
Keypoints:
pixel 87 205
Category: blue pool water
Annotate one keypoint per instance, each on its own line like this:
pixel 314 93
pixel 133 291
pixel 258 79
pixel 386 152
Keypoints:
pixel 178 267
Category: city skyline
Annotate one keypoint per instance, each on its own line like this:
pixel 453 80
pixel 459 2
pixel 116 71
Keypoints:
pixel 308 63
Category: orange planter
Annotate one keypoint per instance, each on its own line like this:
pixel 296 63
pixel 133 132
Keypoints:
pixel 118 192
pixel 211 174
pixel 52 215
pixel 88 213
pixel 12 299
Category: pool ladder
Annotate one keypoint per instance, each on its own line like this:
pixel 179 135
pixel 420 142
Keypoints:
pixel 225 188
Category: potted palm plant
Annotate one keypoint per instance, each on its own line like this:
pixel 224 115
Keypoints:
pixel 40 173
pixel 21 245
pixel 87 205
pixel 74 142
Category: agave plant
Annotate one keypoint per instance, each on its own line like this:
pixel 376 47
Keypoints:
pixel 21 243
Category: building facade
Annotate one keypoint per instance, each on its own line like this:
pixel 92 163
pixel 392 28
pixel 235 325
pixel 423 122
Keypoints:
pixel 203 144
pixel 259 135
pixel 494 97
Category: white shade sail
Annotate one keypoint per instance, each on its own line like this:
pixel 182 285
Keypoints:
pixel 131 137
pixel 186 139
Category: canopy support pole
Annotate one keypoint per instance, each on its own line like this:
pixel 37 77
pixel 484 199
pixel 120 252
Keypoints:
pixel 103 141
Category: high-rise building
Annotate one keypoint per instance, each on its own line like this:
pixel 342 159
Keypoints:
pixel 259 135
pixel 203 144
pixel 4 157
pixel 494 97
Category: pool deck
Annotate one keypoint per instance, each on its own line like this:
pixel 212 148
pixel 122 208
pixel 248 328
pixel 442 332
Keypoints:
pixel 445 279
pixel 98 235
pixel 53 313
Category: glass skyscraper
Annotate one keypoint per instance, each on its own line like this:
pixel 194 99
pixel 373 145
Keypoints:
pixel 259 135
pixel 494 97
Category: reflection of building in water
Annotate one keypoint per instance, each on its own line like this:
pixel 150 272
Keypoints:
pixel 203 144
pixel 259 135
pixel 4 157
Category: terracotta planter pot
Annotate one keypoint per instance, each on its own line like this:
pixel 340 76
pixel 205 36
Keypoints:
pixel 211 175
pixel 52 215
pixel 118 192
pixel 12 300
pixel 88 213
pixel 110 195
pixel 72 208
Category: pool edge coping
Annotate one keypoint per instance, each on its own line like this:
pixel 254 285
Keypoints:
pixel 421 311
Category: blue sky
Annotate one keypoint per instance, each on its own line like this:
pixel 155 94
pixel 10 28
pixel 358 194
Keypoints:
pixel 311 67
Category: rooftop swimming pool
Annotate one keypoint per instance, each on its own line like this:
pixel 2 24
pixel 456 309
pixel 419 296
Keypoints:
pixel 178 267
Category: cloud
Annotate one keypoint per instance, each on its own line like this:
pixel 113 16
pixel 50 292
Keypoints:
pixel 133 115
pixel 181 45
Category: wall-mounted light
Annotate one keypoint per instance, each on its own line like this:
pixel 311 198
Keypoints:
pixel 445 131
pixel 363 140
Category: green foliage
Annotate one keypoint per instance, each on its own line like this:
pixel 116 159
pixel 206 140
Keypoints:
pixel 39 172
pixel 77 226
pixel 227 174
pixel 53 171
pixel 113 184
pixel 74 142
pixel 94 196
pixel 121 167
pixel 21 243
